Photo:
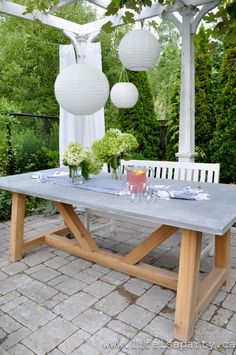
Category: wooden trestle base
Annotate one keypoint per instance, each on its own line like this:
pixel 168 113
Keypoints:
pixel 193 295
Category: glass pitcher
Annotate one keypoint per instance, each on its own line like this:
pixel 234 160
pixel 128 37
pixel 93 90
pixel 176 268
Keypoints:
pixel 137 175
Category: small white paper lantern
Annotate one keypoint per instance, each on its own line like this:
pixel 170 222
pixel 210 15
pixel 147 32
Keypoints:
pixel 81 89
pixel 139 50
pixel 124 95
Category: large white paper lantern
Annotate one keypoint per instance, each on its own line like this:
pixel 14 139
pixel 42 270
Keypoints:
pixel 124 95
pixel 81 89
pixel 139 50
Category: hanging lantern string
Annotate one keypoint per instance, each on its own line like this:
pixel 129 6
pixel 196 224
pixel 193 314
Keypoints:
pixel 82 45
pixel 124 76
pixel 83 50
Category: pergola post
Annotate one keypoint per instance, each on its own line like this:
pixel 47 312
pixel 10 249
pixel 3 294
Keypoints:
pixel 188 28
pixel 186 151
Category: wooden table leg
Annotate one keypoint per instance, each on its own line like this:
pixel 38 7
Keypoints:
pixel 188 284
pixel 17 226
pixel 222 252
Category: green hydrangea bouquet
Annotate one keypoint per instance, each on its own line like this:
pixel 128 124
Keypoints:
pixel 76 157
pixel 113 147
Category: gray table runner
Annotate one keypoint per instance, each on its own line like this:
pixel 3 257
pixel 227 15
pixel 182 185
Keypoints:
pixel 102 183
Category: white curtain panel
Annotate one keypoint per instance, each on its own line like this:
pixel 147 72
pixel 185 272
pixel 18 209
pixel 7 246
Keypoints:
pixel 82 129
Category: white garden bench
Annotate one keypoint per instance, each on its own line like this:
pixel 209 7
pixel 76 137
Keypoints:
pixel 197 172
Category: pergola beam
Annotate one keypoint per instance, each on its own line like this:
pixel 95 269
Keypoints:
pixel 204 10
pixel 196 2
pixel 155 10
pixel 62 3
pixel 99 3
pixel 172 18
pixel 13 9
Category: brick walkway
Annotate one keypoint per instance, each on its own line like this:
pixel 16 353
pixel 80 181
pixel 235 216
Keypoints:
pixel 54 303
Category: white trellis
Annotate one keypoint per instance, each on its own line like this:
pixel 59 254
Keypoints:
pixel 185 14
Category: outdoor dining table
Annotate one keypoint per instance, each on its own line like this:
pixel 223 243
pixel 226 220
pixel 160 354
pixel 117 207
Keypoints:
pixel 191 217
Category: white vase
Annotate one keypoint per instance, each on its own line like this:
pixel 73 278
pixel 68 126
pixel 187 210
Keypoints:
pixel 139 50
pixel 124 95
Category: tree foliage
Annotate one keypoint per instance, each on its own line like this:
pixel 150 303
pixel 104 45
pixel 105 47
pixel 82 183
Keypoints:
pixel 223 144
pixel 29 60
pixel 163 75
pixel 172 139
pixel 141 120
pixel 222 21
pixel 204 96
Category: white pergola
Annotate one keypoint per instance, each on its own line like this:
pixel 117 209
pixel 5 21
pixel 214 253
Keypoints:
pixel 184 14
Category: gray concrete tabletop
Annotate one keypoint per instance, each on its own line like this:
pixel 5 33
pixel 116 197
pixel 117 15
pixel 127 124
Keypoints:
pixel 215 215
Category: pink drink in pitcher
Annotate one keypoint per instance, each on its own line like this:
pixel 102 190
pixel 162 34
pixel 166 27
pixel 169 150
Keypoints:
pixel 137 176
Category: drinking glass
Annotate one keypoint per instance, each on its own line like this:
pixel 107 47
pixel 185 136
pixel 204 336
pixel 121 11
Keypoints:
pixel 124 188
pixel 148 195
pixel 132 192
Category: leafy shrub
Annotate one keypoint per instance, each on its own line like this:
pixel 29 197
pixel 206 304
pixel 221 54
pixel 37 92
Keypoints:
pixel 204 98
pixel 5 205
pixel 173 123
pixel 6 149
pixel 52 157
pixel 223 145
pixel 53 139
pixel 33 206
pixel 29 154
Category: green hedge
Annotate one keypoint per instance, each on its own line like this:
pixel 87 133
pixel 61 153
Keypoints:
pixel 223 145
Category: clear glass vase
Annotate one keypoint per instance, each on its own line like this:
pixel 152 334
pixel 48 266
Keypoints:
pixel 75 175
pixel 115 173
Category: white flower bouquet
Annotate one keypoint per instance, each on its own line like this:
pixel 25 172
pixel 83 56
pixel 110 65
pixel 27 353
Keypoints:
pixel 75 156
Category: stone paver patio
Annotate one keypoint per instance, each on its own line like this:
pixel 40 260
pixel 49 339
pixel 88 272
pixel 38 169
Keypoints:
pixel 54 303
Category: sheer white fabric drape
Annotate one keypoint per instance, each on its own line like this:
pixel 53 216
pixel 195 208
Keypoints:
pixel 82 129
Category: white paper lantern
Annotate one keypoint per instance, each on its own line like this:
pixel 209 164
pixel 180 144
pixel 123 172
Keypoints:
pixel 124 95
pixel 139 50
pixel 81 89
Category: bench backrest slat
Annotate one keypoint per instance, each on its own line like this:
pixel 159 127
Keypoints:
pixel 198 172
